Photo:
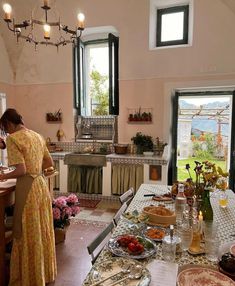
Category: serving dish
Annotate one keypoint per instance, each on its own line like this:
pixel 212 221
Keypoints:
pixel 200 276
pixel 116 265
pixel 160 215
pixel 118 250
pixel 135 217
pixel 156 233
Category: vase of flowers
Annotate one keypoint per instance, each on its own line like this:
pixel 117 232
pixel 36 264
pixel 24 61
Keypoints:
pixel 208 177
pixel 63 209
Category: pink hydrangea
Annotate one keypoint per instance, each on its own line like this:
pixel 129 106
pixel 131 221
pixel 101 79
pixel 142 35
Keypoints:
pixel 66 212
pixel 56 213
pixel 72 199
pixel 75 210
pixel 60 202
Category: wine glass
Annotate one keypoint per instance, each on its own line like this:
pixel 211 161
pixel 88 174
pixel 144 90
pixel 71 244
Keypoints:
pixel 185 232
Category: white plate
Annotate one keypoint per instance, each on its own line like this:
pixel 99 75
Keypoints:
pixel 199 276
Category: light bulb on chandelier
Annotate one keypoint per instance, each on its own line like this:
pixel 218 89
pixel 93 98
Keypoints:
pixel 47 26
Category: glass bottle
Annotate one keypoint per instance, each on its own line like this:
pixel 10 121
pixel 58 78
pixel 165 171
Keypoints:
pixel 169 246
pixel 206 207
pixel 180 204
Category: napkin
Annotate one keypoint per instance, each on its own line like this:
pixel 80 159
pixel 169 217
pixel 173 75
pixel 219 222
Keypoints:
pixel 163 273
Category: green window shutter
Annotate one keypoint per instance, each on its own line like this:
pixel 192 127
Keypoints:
pixel 113 75
pixel 78 75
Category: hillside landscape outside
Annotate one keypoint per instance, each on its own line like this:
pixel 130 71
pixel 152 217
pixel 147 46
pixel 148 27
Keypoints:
pixel 203 133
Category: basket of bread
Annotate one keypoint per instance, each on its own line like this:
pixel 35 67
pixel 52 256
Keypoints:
pixel 160 215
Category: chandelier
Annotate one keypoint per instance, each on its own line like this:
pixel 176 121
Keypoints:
pixel 28 27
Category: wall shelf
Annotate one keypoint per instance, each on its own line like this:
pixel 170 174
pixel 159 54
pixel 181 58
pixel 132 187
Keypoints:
pixel 139 122
pixel 140 115
pixel 54 117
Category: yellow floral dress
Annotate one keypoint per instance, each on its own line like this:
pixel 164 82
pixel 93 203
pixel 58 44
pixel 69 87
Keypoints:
pixel 33 260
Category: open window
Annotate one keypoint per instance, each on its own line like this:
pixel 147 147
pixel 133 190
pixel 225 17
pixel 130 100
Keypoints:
pixel 96 85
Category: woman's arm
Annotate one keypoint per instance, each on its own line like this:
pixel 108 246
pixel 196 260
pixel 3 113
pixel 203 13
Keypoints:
pixel 47 162
pixel 19 171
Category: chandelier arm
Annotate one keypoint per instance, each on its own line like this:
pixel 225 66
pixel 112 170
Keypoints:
pixel 67 30
pixel 64 42
pixel 38 22
pixel 28 39
pixel 9 27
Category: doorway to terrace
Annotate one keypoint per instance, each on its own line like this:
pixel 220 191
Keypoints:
pixel 202 131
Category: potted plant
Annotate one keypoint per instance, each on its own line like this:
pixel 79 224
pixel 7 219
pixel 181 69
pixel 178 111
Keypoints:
pixel 63 208
pixel 143 142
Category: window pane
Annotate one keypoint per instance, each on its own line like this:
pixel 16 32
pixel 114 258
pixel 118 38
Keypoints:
pixel 172 26
pixel 98 79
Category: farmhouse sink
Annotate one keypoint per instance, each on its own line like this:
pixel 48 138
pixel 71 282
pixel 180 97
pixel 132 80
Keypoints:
pixel 85 159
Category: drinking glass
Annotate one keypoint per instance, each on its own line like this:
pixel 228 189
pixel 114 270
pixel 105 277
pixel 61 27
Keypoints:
pixel 185 232
pixel 168 249
pixel 210 229
pixel 211 248
pixel 223 199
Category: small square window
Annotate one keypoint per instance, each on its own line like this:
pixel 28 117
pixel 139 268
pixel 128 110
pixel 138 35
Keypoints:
pixel 172 26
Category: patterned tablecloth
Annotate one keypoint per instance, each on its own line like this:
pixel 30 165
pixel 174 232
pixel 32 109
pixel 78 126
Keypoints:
pixel 224 217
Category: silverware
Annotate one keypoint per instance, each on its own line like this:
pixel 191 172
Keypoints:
pixel 124 270
pixel 136 273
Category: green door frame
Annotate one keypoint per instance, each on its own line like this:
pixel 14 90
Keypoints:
pixel 172 176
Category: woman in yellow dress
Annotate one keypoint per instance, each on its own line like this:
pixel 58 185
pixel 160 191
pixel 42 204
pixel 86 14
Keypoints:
pixel 33 260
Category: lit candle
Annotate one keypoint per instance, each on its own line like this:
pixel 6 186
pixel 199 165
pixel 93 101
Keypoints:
pixel 7 10
pixel 46 3
pixel 47 30
pixel 200 217
pixel 81 19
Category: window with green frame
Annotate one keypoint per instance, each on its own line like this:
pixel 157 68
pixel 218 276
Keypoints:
pixel 95 70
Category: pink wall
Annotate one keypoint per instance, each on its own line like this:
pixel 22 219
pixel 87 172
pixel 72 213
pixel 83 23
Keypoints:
pixel 34 101
pixel 9 90
pixel 147 77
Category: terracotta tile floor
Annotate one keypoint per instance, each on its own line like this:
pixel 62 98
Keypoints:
pixel 73 260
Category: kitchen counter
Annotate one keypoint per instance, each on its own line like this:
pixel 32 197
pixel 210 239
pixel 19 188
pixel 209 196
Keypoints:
pixel 125 158
pixel 160 164
pixel 136 159
pixel 59 155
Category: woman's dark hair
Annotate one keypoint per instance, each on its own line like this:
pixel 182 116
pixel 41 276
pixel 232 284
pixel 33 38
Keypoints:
pixel 10 115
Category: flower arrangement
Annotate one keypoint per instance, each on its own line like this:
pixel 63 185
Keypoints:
pixel 63 208
pixel 208 176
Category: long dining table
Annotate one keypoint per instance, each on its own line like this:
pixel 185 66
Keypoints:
pixel 225 218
